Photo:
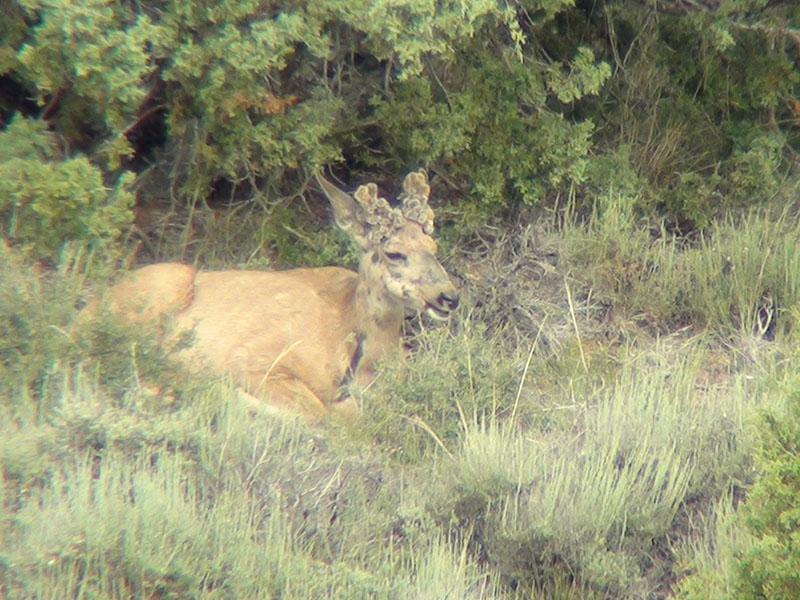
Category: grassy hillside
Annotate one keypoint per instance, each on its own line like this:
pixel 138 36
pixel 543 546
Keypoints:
pixel 611 415
pixel 586 428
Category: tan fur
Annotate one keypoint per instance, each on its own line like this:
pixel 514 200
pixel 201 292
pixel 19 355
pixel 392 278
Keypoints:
pixel 152 291
pixel 290 337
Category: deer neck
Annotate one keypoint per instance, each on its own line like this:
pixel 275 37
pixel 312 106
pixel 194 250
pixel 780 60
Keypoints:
pixel 379 318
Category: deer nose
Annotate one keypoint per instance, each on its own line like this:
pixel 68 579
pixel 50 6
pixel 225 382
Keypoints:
pixel 450 301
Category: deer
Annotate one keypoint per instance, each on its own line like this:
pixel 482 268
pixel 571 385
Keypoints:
pixel 298 339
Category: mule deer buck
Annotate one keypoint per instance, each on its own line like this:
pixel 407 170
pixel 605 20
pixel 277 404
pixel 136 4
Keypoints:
pixel 296 339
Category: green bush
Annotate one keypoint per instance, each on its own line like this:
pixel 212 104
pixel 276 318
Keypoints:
pixel 528 103
pixel 490 122
pixel 768 569
pixel 703 99
pixel 47 202
pixel 249 92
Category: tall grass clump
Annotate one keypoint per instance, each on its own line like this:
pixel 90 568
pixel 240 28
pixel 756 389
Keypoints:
pixel 746 274
pixel 37 312
pixel 710 556
pixel 623 262
pixel 208 501
pixel 111 527
pixel 450 377
pixel 592 502
pixel 740 278
pixel 46 346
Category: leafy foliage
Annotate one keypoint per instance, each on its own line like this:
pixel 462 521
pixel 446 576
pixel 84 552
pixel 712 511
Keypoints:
pixel 46 202
pixel 511 103
pixel 94 53
pixel 768 569
pixel 493 126
pixel 247 91
pixel 705 101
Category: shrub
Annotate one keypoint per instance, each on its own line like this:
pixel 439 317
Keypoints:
pixel 587 499
pixel 250 93
pixel 702 98
pixel 768 569
pixel 47 202
pixel 509 103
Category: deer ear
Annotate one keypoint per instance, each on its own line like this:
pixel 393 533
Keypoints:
pixel 348 213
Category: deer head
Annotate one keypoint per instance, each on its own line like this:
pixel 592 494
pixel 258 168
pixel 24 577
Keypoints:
pixel 399 266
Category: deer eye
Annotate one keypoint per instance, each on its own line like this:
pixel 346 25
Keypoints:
pixel 396 256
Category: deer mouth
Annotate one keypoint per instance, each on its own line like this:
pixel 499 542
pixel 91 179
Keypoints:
pixel 437 313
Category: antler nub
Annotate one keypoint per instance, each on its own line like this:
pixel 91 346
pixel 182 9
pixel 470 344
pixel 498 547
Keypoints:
pixel 381 218
pixel 415 200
